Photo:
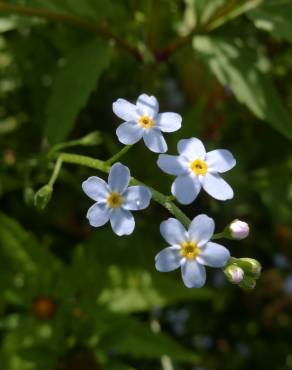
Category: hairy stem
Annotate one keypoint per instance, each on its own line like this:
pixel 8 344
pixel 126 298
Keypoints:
pixel 99 29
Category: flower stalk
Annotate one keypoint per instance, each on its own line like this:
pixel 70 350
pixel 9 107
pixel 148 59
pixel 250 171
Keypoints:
pixel 104 166
pixel 248 265
pixel 118 155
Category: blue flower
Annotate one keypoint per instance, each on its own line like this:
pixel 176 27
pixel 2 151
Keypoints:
pixel 115 200
pixel 191 250
pixel 143 120
pixel 196 169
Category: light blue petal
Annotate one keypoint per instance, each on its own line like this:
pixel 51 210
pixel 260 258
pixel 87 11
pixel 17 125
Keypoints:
pixel 215 186
pixel 95 188
pixel 136 198
pixel 154 140
pixel 119 177
pixel 173 231
pixel 220 160
pixel 147 105
pixel 186 188
pixel 122 221
pixel 201 229
pixel 193 274
pixel 169 122
pixel 214 255
pixel 191 149
pixel 168 259
pixel 129 133
pixel 98 214
pixel 172 164
pixel 125 110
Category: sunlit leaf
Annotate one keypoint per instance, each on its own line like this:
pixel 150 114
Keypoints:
pixel 274 16
pixel 235 65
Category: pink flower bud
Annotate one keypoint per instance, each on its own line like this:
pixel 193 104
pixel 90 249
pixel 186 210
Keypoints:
pixel 234 274
pixel 237 275
pixel 239 229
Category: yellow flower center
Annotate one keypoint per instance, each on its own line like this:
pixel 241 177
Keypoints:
pixel 146 122
pixel 199 167
pixel 114 200
pixel 189 250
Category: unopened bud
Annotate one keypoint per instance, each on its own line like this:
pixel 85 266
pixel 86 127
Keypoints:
pixel 250 266
pixel 238 229
pixel 234 274
pixel 43 196
pixel 248 283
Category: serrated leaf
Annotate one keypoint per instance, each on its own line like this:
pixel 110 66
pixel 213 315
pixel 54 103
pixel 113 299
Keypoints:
pixel 72 87
pixel 236 65
pixel 275 17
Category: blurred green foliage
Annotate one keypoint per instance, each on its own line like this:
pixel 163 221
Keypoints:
pixel 76 298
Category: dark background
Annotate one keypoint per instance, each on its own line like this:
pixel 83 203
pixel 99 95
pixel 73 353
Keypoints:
pixel 78 298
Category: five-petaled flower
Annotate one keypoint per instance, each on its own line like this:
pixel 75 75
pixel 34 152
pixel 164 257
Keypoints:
pixel 190 249
pixel 195 168
pixel 143 120
pixel 115 200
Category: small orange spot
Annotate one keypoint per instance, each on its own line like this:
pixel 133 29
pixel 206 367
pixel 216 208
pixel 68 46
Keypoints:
pixel 43 307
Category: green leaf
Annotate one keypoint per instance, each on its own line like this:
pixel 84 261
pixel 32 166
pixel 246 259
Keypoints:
pixel 133 290
pixel 24 261
pixel 72 87
pixel 129 336
pixel 236 66
pixel 217 12
pixel 275 17
pixel 13 239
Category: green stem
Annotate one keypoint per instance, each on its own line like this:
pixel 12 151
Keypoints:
pixel 220 236
pixel 100 30
pixel 117 156
pixel 160 198
pixel 104 167
pixel 56 172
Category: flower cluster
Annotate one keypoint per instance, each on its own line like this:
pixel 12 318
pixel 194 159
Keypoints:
pixel 190 249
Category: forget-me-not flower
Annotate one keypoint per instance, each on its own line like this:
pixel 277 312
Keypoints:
pixel 142 120
pixel 196 169
pixel 190 249
pixel 115 200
